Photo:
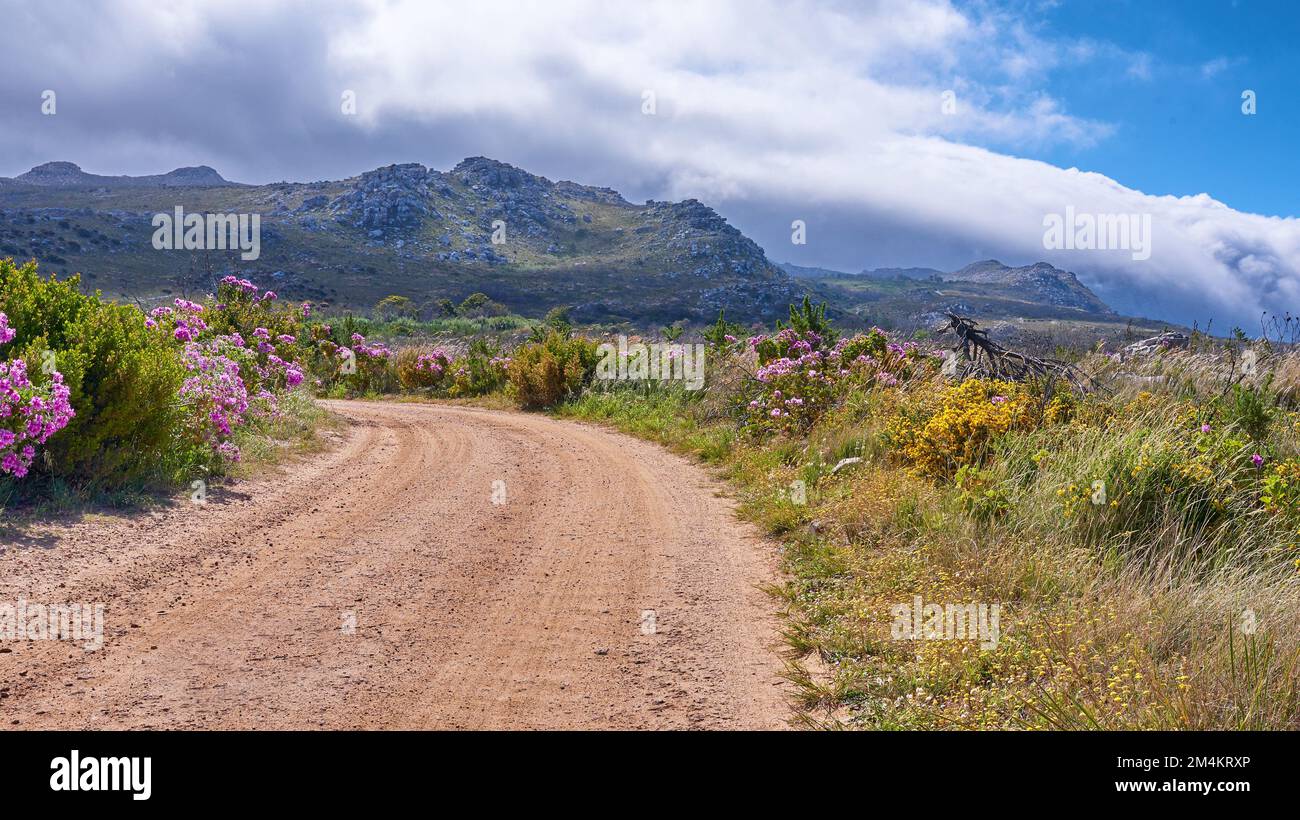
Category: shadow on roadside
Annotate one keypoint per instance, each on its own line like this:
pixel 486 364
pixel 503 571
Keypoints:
pixel 42 527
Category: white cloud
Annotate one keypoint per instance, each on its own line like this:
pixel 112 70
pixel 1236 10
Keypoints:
pixel 763 107
pixel 1140 67
pixel 1213 68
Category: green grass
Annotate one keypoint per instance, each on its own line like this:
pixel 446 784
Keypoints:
pixel 657 414
pixel 294 432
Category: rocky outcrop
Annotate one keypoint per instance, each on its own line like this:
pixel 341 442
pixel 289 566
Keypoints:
pixel 386 201
pixel 701 241
pixel 1170 340
pixel 527 202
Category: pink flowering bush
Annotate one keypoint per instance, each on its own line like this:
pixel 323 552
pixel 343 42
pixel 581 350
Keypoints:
pixel 241 353
pixel 216 396
pixel 29 414
pixel 419 369
pixel 364 367
pixel 479 370
pixel 243 310
pixel 800 377
pixel 103 398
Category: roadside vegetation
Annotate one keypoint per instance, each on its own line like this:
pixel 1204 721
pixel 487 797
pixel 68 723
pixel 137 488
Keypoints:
pixel 114 404
pixel 108 403
pixel 1141 540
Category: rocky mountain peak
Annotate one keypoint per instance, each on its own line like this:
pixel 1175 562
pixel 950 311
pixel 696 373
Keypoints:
pixel 52 173
pixel 485 225
pixel 394 197
pixel 55 167
pixel 982 268
pixel 482 172
pixel 1042 281
pixel 195 175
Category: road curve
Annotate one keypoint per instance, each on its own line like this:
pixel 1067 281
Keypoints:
pixel 382 585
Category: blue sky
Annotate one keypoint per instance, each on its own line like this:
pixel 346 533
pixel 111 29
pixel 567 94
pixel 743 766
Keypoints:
pixel 1172 88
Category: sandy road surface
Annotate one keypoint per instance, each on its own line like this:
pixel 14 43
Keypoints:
pixel 468 614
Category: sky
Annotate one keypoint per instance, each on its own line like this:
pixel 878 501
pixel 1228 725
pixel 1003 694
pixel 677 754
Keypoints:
pixel 920 133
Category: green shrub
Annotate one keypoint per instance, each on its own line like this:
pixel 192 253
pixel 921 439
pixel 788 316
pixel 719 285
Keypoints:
pixel 545 372
pixel 810 318
pixel 1251 409
pixel 123 380
pixel 480 371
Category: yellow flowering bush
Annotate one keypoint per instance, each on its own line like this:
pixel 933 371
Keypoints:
pixel 1282 489
pixel 945 430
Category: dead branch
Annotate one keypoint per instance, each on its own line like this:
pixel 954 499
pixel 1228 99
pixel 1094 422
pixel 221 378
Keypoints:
pixel 980 357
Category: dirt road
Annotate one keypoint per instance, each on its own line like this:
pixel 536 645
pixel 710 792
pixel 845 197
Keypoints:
pixel 383 585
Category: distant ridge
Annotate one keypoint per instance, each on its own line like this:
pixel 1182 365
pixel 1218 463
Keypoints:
pixel 70 175
pixel 1040 282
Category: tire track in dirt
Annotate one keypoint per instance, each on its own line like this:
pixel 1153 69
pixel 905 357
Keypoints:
pixel 466 613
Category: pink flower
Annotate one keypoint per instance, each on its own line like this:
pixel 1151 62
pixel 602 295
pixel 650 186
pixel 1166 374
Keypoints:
pixel 216 395
pixel 29 415
pixel 1257 460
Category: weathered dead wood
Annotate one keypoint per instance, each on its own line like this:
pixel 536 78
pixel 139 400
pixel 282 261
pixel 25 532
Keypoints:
pixel 979 356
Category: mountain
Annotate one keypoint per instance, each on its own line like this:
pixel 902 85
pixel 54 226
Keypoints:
pixel 904 273
pixel 524 240
pixel 68 175
pixel 486 226
pixel 801 272
pixel 999 289
pixel 1033 306
pixel 1040 282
